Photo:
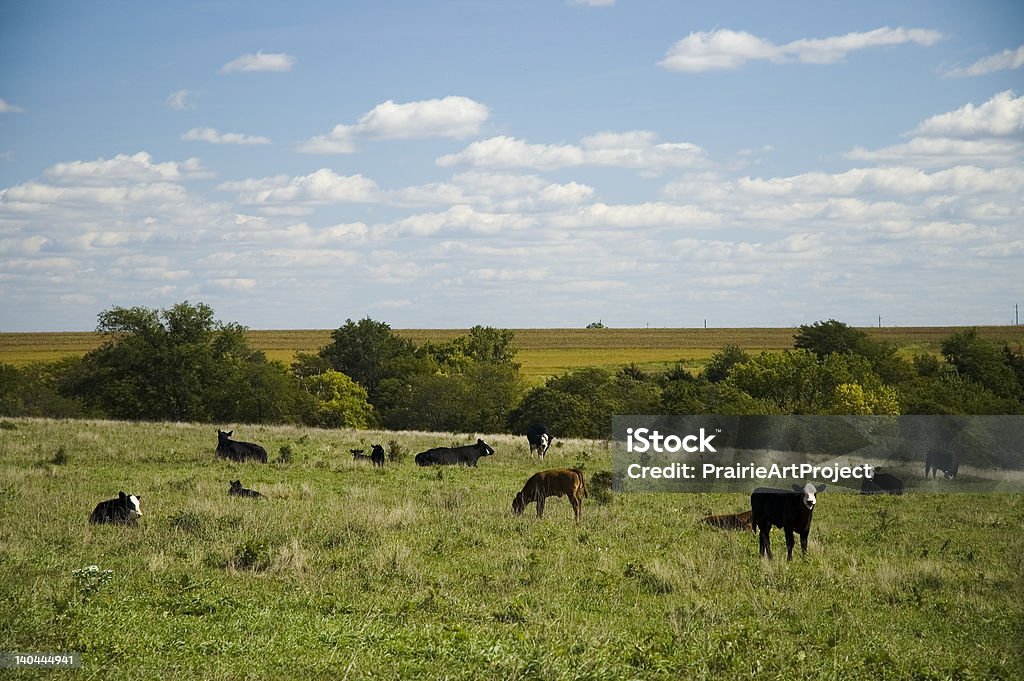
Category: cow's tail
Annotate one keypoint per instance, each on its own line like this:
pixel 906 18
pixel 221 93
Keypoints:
pixel 583 481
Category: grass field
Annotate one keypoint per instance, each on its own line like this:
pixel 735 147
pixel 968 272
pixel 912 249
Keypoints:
pixel 352 572
pixel 543 352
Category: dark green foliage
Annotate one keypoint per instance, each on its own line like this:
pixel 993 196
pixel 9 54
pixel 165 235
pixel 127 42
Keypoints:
pixel 180 364
pixel 721 363
pixel 833 337
pixel 996 368
pixel 39 389
pixel 370 352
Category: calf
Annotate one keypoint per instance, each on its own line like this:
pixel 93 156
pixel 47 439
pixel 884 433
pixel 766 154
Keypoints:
pixel 120 511
pixel 376 455
pixel 454 456
pixel 792 511
pixel 236 490
pixel 537 436
pixel 881 483
pixel 732 521
pixel 557 482
pixel 938 460
pixel 238 451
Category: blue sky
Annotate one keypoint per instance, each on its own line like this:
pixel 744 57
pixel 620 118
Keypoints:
pixel 528 164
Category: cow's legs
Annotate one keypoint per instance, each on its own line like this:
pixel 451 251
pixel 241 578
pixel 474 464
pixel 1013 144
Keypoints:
pixel 577 506
pixel 803 541
pixel 766 545
pixel 540 507
pixel 790 542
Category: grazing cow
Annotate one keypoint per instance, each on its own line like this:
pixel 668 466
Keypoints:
pixel 376 456
pixel 788 510
pixel 537 436
pixel 938 460
pixel 452 456
pixel 238 451
pixel 881 483
pixel 557 482
pixel 732 521
pixel 237 490
pixel 120 511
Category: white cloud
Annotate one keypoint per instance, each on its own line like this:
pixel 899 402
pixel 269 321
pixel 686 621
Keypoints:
pixel 137 167
pixel 1001 115
pixel 452 117
pixel 727 49
pixel 261 61
pixel 212 136
pixel 6 107
pixel 635 149
pixel 180 100
pixel 1004 61
pixel 321 186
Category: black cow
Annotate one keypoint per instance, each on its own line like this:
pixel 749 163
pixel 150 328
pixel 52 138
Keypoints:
pixel 236 490
pixel 238 451
pixel 120 511
pixel 881 483
pixel 537 436
pixel 938 460
pixel 788 510
pixel 454 456
pixel 376 456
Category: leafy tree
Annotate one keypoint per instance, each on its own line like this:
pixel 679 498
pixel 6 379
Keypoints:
pixel 702 397
pixel 482 344
pixel 369 352
pixel 721 363
pixel 336 401
pixel 825 338
pixel 179 364
pixel 35 390
pixel 984 362
pixel 952 394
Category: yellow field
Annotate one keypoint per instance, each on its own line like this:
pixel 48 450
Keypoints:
pixel 543 352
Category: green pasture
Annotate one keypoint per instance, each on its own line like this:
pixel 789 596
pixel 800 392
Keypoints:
pixel 347 571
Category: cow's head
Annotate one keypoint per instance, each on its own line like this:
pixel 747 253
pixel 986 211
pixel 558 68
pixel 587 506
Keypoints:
pixel 378 451
pixel 485 449
pixel 545 442
pixel 808 493
pixel 951 471
pixel 518 504
pixel 236 485
pixel 222 435
pixel 131 502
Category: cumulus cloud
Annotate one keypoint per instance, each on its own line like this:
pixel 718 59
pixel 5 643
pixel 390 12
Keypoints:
pixel 453 117
pixel 988 134
pixel 212 136
pixel 1000 116
pixel 723 49
pixel 137 167
pixel 180 100
pixel 6 107
pixel 634 149
pixel 261 61
pixel 1004 61
pixel 321 186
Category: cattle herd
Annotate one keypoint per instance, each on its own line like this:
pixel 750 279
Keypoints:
pixel 790 510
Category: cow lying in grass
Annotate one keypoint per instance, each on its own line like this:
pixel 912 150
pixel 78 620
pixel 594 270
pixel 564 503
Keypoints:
pixel 237 490
pixel 120 511
pixel 376 456
pixel 731 521
pixel 454 456
pixel 881 483
pixel 238 451
pixel 792 511
pixel 557 482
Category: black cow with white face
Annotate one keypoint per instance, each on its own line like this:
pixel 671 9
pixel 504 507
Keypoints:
pixel 124 510
pixel 455 456
pixel 790 510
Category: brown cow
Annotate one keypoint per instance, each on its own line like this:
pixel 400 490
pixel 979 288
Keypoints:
pixel 731 521
pixel 557 482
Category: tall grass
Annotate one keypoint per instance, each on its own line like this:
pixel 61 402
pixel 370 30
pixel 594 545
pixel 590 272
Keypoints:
pixel 407 572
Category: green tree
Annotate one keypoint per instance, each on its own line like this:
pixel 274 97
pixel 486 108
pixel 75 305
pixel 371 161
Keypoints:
pixel 834 337
pixel 721 363
pixel 983 361
pixel 336 401
pixel 370 352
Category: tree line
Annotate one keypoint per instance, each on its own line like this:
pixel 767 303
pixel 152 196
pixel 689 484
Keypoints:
pixel 182 364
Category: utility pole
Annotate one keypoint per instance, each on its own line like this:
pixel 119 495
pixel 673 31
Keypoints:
pixel 879 321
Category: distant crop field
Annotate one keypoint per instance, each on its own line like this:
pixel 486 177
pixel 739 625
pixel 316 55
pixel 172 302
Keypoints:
pixel 543 352
pixel 347 571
